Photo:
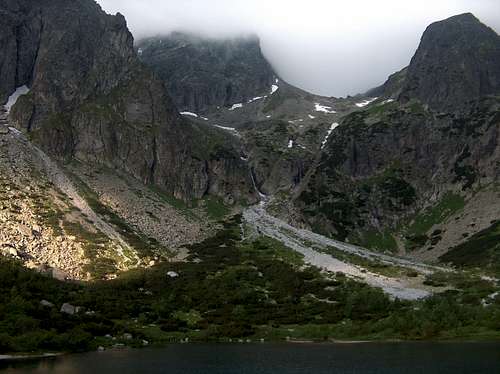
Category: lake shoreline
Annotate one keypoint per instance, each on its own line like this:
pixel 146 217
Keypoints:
pixel 5 358
pixel 27 357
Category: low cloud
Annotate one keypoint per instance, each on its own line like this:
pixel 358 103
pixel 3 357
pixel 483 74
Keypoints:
pixel 329 47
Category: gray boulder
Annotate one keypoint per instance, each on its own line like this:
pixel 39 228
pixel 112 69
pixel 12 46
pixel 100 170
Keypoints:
pixel 46 304
pixel 59 274
pixel 67 308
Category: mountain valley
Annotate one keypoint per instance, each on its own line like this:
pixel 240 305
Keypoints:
pixel 176 188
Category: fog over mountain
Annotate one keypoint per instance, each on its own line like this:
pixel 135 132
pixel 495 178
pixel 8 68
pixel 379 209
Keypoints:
pixel 328 47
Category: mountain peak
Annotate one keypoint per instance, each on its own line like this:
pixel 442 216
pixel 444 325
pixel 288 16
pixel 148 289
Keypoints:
pixel 465 22
pixel 464 17
pixel 457 62
pixel 203 72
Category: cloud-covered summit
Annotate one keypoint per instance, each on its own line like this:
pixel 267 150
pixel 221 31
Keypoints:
pixel 330 47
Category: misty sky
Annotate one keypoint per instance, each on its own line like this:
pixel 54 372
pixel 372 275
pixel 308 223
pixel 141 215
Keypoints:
pixel 329 47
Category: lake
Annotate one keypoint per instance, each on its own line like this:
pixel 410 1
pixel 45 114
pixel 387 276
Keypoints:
pixel 270 358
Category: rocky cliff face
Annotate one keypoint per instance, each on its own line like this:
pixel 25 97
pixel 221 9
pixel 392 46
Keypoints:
pixel 390 161
pixel 16 61
pixel 399 173
pixel 93 100
pixel 457 63
pixel 203 73
pixel 66 61
pixel 280 126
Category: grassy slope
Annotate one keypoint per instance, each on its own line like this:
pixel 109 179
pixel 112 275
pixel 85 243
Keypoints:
pixel 416 231
pixel 482 250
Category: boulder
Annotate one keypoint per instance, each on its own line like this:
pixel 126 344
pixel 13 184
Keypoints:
pixel 46 304
pixel 9 250
pixel 67 308
pixel 25 230
pixel 59 274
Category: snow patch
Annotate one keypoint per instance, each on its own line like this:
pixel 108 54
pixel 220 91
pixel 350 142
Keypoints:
pixel 290 143
pixel 490 299
pixel 256 98
pixel 190 114
pixel 172 274
pixel 274 88
pixel 323 108
pixel 236 106
pixel 366 102
pixel 140 51
pixel 489 279
pixel 388 101
pixel 329 132
pixel 268 116
pixel 226 128
pixel 311 116
pixel 20 91
pixel 15 131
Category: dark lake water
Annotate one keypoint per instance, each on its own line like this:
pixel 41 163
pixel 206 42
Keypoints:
pixel 406 358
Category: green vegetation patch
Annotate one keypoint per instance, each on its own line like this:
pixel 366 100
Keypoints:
pixel 95 244
pixel 172 201
pixel 215 208
pixel 231 289
pixel 480 250
pixel 450 204
pixel 415 107
pixel 50 215
pixel 397 188
pixel 382 109
pixel 378 240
